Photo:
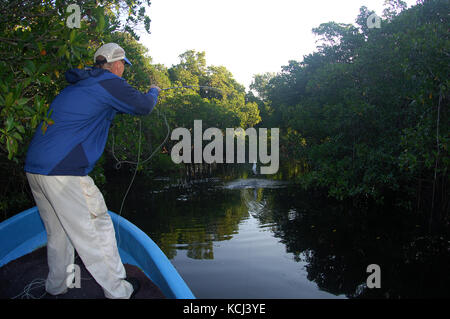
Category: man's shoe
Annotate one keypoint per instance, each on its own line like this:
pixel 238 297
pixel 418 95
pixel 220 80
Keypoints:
pixel 136 286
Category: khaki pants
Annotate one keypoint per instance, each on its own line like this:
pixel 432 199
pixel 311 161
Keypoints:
pixel 75 216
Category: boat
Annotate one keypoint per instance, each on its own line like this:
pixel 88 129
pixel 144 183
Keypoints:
pixel 25 232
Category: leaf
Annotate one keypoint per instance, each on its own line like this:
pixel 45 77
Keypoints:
pixel 21 129
pixel 11 146
pixel 72 36
pixel 9 124
pixel 22 101
pixel 37 103
pixel 28 110
pixel 34 121
pixel 101 23
pixel 42 68
pixel 17 136
pixel 9 100
pixel 30 66
pixel 76 54
pixel 45 79
pixel 27 71
pixel 26 82
pixel 61 51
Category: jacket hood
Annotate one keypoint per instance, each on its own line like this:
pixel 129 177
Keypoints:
pixel 75 75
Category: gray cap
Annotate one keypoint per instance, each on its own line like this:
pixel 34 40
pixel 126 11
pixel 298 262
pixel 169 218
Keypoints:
pixel 112 52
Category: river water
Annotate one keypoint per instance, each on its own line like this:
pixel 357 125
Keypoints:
pixel 253 237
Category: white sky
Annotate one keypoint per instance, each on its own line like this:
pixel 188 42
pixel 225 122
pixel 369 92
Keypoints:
pixel 246 36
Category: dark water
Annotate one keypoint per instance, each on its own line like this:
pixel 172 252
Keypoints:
pixel 259 238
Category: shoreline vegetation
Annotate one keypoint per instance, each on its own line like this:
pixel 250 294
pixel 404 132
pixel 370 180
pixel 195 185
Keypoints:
pixel 364 119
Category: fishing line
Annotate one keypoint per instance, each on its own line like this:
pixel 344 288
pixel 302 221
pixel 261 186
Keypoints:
pixel 36 284
pixel 132 180
pixel 119 163
pixel 26 293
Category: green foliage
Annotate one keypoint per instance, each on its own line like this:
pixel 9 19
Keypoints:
pixel 368 113
pixel 36 48
pixel 229 95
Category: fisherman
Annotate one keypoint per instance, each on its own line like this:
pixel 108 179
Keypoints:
pixel 58 163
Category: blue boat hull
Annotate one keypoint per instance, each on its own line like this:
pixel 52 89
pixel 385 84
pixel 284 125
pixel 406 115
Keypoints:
pixel 25 232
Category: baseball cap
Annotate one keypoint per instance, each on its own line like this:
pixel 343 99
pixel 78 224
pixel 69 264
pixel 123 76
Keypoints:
pixel 112 52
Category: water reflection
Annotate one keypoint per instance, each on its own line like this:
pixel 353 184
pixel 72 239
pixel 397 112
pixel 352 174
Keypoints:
pixel 254 183
pixel 339 241
pixel 258 238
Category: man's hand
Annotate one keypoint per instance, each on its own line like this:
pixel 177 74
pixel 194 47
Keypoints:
pixel 154 86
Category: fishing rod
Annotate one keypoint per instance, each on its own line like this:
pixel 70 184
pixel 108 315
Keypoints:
pixel 191 87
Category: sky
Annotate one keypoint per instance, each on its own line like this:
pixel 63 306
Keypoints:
pixel 246 36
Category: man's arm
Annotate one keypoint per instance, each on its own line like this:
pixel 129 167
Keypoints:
pixel 127 99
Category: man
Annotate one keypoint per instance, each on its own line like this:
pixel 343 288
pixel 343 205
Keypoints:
pixel 58 163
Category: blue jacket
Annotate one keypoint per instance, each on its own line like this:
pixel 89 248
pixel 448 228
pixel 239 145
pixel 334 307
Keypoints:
pixel 82 113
